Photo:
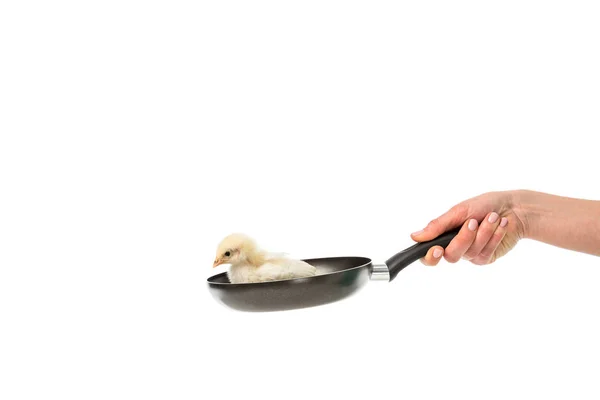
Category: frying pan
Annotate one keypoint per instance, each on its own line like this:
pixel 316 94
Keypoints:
pixel 336 279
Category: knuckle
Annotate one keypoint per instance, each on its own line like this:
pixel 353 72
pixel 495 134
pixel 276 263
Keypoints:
pixel 487 231
pixel 485 254
pixel 451 258
pixel 434 222
pixel 460 209
pixel 479 261
pixel 427 262
pixel 499 234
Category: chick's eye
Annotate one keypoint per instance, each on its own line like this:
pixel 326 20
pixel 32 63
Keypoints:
pixel 227 254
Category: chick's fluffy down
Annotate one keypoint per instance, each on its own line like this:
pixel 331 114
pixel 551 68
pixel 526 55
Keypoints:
pixel 272 270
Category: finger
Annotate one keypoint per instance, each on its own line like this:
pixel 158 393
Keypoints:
pixel 451 219
pixel 484 234
pixel 486 256
pixel 461 243
pixel 433 256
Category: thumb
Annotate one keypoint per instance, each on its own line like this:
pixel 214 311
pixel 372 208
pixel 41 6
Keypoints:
pixel 451 219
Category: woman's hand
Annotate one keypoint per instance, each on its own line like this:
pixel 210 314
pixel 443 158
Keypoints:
pixel 492 224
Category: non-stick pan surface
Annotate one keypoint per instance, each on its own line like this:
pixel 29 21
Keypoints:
pixel 336 279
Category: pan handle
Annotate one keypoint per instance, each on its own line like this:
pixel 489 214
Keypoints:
pixel 406 257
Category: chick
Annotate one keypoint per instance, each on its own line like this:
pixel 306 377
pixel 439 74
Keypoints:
pixel 250 264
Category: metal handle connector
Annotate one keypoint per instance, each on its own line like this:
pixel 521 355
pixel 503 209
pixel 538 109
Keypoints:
pixel 380 272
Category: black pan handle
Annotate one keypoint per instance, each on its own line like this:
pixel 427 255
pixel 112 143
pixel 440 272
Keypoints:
pixel 406 257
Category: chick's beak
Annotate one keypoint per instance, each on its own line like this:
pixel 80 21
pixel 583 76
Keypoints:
pixel 217 262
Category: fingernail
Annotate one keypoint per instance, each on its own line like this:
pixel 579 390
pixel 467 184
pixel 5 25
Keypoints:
pixel 437 253
pixel 504 222
pixel 472 225
pixel 417 233
pixel 493 218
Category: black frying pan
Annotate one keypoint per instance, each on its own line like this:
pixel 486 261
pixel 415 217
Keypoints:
pixel 336 279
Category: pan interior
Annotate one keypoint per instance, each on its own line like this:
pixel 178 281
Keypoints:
pixel 324 266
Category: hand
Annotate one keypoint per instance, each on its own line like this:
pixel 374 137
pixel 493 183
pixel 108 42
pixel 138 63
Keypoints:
pixel 492 224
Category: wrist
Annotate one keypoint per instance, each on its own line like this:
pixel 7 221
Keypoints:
pixel 523 204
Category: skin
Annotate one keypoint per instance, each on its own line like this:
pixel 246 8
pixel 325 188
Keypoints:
pixel 493 223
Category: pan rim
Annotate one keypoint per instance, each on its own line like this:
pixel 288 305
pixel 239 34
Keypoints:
pixel 369 261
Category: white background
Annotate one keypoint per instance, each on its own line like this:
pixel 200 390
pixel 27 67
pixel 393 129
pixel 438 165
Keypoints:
pixel 135 135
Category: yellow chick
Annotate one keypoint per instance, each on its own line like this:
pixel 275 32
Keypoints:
pixel 249 264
